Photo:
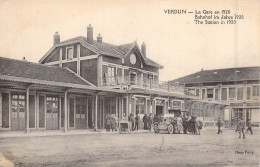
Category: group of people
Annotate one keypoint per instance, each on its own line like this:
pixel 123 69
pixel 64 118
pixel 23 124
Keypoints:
pixel 135 120
pixel 240 127
pixel 111 122
pixel 192 126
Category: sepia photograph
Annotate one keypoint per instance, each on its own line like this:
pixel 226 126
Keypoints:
pixel 148 83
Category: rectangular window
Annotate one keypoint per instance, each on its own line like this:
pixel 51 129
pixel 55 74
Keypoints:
pixel 216 94
pixel 133 78
pixel 69 53
pixel 203 93
pixel 232 93
pixel 192 91
pixel 240 93
pixel 248 93
pixel 209 93
pixel 223 93
pixel 256 90
pixel 140 105
pixel 197 92
pixel 150 81
pixel 111 75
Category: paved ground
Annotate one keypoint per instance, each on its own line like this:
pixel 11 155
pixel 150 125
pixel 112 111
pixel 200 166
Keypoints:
pixel 139 149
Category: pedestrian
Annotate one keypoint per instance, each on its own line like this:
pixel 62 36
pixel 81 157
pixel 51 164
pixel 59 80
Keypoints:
pixel 241 127
pixel 179 124
pixel 156 118
pixel 150 121
pixel 185 124
pixel 249 126
pixel 137 119
pixel 196 126
pixel 193 125
pixel 219 123
pixel 132 119
pixel 107 119
pixel 145 120
pixel 190 125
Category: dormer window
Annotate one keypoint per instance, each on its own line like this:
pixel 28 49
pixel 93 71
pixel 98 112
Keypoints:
pixel 215 72
pixel 69 53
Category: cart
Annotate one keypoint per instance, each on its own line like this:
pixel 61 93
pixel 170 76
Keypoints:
pixel 125 127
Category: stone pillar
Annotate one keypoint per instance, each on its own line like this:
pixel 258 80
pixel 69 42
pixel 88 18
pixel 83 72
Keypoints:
pixel 65 111
pixel 27 110
pixel 96 108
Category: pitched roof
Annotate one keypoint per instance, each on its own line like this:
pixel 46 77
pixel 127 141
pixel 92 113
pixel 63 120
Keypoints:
pixel 125 48
pixel 29 70
pixel 103 48
pixel 222 75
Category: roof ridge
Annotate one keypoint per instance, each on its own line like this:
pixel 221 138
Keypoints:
pixel 231 68
pixel 29 62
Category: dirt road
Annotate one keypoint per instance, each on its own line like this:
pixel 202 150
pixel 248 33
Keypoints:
pixel 145 149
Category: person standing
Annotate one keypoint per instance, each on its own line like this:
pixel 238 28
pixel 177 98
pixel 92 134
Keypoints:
pixel 249 126
pixel 193 123
pixel 179 124
pixel 241 127
pixel 137 119
pixel 145 120
pixel 185 124
pixel 219 125
pixel 132 119
pixel 150 121
pixel 196 125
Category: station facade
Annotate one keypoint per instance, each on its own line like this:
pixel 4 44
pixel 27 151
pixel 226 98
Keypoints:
pixel 80 81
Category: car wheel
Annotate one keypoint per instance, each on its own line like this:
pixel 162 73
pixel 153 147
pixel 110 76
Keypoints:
pixel 156 129
pixel 170 129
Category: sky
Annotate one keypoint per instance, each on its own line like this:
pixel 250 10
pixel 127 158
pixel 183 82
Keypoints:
pixel 172 40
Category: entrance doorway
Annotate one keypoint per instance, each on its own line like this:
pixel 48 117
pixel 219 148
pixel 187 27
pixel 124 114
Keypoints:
pixel 18 112
pixel 90 122
pixel 159 110
pixel 81 111
pixel 52 103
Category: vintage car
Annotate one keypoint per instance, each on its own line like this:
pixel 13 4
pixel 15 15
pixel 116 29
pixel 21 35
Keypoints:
pixel 166 125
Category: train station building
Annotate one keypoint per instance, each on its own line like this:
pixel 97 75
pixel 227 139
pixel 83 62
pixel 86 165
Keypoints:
pixel 80 81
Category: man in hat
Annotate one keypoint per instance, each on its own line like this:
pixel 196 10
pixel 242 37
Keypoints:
pixel 185 124
pixel 137 120
pixel 249 126
pixel 150 121
pixel 219 123
pixel 145 120
pixel 241 127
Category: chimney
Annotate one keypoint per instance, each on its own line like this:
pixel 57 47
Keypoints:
pixel 99 38
pixel 143 49
pixel 56 38
pixel 24 59
pixel 201 69
pixel 90 34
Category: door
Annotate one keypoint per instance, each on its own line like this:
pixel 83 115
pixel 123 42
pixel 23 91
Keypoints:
pixel 71 112
pixel 90 113
pixel 159 110
pixel 81 111
pixel 52 103
pixel 18 112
